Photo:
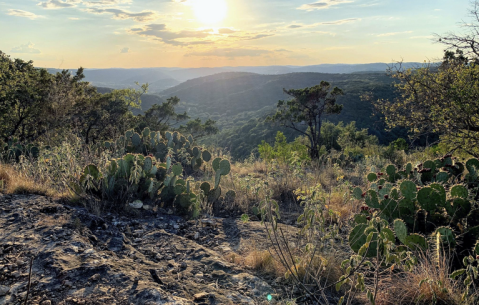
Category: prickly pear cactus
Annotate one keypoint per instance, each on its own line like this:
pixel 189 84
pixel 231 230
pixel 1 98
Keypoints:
pixel 423 205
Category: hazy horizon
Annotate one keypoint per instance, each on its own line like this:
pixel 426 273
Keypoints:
pixel 217 33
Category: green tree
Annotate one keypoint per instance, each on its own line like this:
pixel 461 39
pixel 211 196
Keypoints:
pixel 106 116
pixel 33 102
pixel 439 99
pixel 307 107
pixel 198 129
pixel 162 117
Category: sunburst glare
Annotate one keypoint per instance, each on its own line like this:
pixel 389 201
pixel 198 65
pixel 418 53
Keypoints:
pixel 210 11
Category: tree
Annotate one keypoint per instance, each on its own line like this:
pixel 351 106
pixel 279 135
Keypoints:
pixel 467 42
pixel 307 107
pixel 106 116
pixel 439 99
pixel 36 105
pixel 162 117
pixel 33 102
pixel 198 129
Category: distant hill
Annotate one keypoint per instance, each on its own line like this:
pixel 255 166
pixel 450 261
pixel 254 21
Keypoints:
pixel 126 78
pixel 240 101
pixel 163 78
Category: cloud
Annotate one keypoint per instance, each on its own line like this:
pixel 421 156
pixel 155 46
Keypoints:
pixel 314 25
pixel 322 4
pixel 26 48
pixel 144 16
pixel 20 13
pixel 55 4
pixel 231 53
pixel 393 34
pixel 258 36
pixel 342 21
pixel 125 50
pixel 226 31
pixel 161 33
pixel 105 2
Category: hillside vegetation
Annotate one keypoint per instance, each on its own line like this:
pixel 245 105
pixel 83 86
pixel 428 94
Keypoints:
pixel 297 188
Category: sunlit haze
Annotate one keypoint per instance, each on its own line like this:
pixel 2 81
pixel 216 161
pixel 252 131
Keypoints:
pixel 209 33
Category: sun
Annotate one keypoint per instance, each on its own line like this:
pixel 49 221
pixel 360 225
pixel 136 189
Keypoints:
pixel 210 11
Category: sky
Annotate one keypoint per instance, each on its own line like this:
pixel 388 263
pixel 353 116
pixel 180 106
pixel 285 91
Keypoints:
pixel 212 33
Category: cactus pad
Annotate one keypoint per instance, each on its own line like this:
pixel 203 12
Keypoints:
pixel 459 191
pixel 372 177
pixel 147 164
pixel 391 170
pixel 416 242
pixel 442 177
pixel 372 199
pixel 177 169
pixel 206 156
pixel 225 167
pixel 216 164
pixel 472 166
pixel 357 193
pixel 442 192
pixel 136 139
pixel 358 238
pixel 401 230
pixel 92 170
pixel 446 235
pixel 428 199
pixel 408 189
pixel 205 187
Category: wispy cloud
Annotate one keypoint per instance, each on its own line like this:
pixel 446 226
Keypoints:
pixel 125 50
pixel 314 25
pixel 322 4
pixel 393 34
pixel 25 14
pixel 56 4
pixel 105 2
pixel 26 48
pixel 178 38
pixel 143 16
pixel 342 21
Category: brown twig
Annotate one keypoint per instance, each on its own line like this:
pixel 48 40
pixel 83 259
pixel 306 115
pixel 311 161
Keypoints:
pixel 29 280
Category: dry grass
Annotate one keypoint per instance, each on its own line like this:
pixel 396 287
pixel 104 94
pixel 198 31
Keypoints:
pixel 15 182
pixel 427 283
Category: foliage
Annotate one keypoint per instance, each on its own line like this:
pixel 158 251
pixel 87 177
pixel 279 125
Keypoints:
pixel 440 100
pixel 307 107
pixel 282 151
pixel 427 206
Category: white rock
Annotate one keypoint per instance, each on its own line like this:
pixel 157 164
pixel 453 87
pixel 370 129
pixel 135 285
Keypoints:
pixel 146 207
pixel 137 204
pixel 197 235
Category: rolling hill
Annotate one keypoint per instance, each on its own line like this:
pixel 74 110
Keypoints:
pixel 240 102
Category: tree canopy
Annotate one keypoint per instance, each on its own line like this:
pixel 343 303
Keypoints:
pixel 307 107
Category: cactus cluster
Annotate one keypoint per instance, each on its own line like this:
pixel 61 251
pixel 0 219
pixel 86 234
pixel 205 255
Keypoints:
pixel 181 148
pixel 13 149
pixel 431 202
pixel 152 165
pixel 221 168
pixel 140 177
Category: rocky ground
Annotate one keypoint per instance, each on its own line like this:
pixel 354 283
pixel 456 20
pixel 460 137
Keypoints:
pixel 153 258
